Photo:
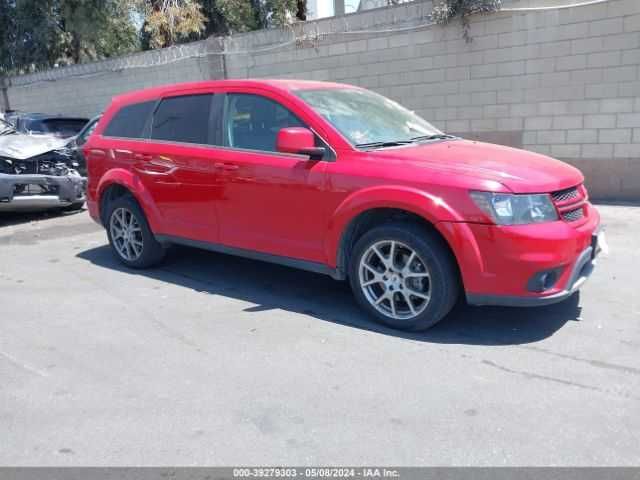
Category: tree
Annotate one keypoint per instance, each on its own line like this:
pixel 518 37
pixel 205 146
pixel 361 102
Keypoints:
pixel 245 15
pixel 37 40
pixel 94 29
pixel 36 34
pixel 239 15
pixel 7 32
pixel 301 10
pixel 167 22
pixel 43 33
pixel 216 22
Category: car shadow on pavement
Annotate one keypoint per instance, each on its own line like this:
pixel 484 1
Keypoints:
pixel 17 218
pixel 274 287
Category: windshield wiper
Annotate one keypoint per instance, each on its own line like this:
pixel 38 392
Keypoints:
pixel 436 136
pixel 383 144
pixel 395 143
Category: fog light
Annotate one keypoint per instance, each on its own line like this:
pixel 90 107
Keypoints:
pixel 544 280
pixel 548 279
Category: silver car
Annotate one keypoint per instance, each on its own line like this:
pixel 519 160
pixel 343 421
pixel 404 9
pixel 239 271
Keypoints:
pixel 36 173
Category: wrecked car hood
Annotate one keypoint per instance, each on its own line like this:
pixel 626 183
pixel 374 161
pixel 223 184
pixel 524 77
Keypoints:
pixel 20 147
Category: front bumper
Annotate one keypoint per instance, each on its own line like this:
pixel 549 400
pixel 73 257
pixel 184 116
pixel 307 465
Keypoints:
pixel 582 269
pixel 498 263
pixel 55 191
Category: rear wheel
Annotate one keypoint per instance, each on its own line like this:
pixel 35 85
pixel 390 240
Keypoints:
pixel 404 276
pixel 129 234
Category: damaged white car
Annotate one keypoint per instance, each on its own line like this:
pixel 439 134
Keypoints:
pixel 36 173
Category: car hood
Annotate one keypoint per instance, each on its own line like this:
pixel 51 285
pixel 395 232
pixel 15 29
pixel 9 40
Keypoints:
pixel 21 147
pixel 518 170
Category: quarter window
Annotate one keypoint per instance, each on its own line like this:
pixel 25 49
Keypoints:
pixel 253 122
pixel 130 121
pixel 182 119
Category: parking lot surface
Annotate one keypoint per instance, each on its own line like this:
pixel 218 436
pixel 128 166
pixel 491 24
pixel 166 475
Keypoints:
pixel 212 359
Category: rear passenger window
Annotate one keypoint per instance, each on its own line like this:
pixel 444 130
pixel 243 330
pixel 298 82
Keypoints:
pixel 182 119
pixel 130 121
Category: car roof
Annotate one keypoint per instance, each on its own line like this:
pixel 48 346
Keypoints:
pixel 271 84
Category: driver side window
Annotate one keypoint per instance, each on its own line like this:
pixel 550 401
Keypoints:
pixel 253 122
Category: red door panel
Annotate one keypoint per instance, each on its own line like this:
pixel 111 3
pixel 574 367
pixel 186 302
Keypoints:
pixel 272 203
pixel 184 186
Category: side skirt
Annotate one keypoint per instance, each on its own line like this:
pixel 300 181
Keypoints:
pixel 265 257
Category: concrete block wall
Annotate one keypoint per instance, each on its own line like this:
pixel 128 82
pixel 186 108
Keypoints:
pixel 87 89
pixel 563 82
pixel 560 81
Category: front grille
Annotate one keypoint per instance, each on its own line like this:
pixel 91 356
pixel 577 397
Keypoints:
pixel 18 167
pixel 23 189
pixel 573 215
pixel 565 195
pixel 570 203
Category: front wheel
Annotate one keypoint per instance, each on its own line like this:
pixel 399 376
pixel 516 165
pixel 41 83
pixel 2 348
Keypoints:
pixel 404 276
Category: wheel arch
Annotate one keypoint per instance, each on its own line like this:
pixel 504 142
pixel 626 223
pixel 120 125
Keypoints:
pixel 367 208
pixel 118 182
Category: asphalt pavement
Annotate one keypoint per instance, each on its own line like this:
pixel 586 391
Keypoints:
pixel 217 360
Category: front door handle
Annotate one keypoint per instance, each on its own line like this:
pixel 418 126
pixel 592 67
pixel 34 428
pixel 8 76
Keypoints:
pixel 225 166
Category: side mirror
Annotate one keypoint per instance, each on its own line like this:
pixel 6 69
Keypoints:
pixel 298 140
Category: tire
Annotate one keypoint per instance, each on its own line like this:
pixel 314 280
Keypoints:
pixel 144 250
pixel 432 273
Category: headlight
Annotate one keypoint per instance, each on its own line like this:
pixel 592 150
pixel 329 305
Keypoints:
pixel 507 209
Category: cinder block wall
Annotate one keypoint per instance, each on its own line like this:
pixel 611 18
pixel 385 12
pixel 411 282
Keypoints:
pixel 87 89
pixel 562 81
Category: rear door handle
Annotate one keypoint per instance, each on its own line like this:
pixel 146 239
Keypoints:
pixel 225 166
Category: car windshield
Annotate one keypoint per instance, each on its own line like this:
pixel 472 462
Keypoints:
pixel 367 119
pixel 86 132
pixel 60 127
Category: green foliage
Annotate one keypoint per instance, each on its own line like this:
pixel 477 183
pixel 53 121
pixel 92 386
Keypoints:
pixel 239 15
pixel 444 11
pixel 37 39
pixel 45 33
pixel 7 34
pixel 216 21
pixel 94 29
pixel 167 22
pixel 201 18
pixel 38 34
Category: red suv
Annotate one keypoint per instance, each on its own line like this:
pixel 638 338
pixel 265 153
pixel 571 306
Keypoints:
pixel 342 181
